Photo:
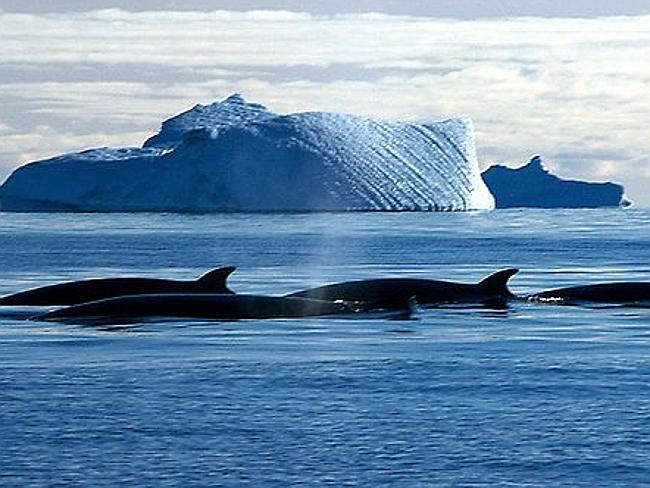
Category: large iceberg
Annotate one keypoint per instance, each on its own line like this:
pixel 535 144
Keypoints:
pixel 532 185
pixel 238 156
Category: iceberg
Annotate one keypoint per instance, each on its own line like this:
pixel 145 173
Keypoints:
pixel 239 156
pixel 532 185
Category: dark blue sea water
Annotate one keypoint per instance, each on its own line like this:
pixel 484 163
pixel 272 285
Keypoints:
pixel 535 395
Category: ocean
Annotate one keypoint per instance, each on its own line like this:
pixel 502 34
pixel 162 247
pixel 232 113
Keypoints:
pixel 531 395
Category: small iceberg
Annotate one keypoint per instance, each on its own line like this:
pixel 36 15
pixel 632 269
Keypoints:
pixel 532 185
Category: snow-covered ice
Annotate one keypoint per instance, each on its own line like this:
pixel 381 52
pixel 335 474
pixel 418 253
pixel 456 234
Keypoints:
pixel 532 185
pixel 240 156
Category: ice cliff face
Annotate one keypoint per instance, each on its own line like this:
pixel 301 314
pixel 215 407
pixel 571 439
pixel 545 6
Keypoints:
pixel 239 156
pixel 533 186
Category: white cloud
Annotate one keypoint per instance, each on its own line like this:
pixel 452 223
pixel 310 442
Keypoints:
pixel 5 129
pixel 559 87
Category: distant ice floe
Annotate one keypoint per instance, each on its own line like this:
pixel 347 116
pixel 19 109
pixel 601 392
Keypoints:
pixel 238 156
pixel 533 186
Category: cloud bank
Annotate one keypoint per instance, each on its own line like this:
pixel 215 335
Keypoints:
pixel 574 90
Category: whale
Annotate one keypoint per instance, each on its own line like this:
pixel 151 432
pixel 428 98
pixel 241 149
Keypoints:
pixel 76 292
pixel 198 306
pixel 623 293
pixel 393 292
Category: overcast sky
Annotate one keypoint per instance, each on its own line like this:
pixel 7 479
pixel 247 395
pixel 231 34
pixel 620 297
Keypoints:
pixel 568 80
pixel 460 9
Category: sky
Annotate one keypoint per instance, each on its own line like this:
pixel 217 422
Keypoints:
pixel 567 80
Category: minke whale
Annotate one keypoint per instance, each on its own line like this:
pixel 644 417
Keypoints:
pixel 394 292
pixel 75 292
pixel 625 293
pixel 198 306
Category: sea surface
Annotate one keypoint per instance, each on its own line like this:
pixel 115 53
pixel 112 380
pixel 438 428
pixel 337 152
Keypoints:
pixel 533 395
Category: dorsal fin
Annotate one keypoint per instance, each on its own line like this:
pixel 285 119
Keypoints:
pixel 497 283
pixel 215 280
